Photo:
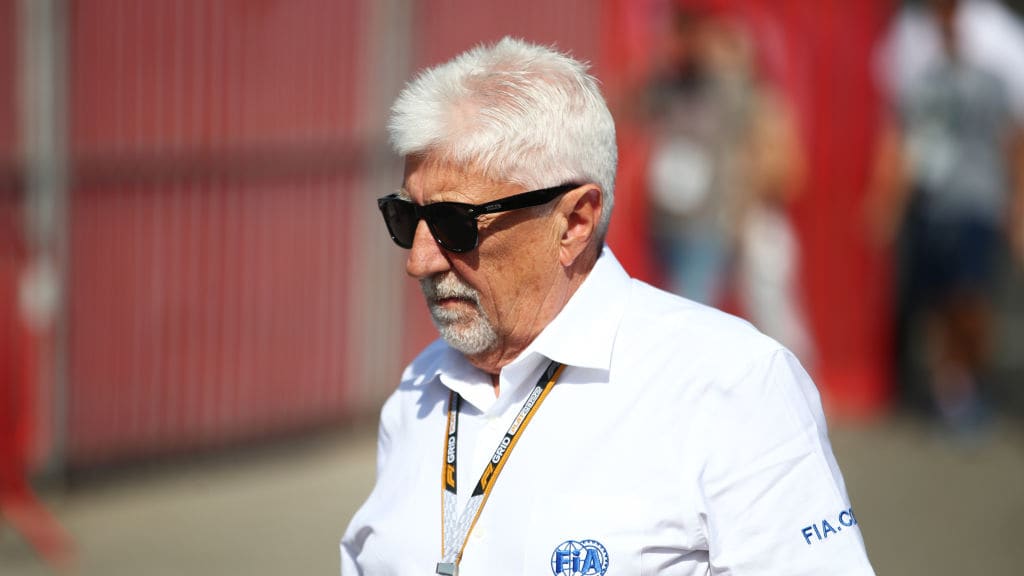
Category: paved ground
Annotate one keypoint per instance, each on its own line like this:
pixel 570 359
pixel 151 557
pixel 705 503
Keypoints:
pixel 927 506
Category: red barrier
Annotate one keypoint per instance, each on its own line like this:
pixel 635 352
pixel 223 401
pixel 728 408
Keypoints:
pixel 18 376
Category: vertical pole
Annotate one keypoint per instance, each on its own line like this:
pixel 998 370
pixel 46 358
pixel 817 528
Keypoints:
pixel 43 102
pixel 376 312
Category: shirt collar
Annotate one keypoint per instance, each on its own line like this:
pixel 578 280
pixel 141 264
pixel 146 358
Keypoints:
pixel 582 334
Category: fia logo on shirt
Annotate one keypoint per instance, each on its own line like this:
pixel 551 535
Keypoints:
pixel 822 530
pixel 579 558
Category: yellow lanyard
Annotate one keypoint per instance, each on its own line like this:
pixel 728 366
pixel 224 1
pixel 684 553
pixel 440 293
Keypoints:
pixel 456 530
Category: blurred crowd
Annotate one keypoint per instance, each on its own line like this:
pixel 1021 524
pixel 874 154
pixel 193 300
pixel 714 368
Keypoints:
pixel 945 195
pixel 725 163
pixel 948 193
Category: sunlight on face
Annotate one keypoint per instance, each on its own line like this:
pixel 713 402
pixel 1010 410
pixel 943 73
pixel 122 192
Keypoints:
pixel 493 299
pixel 462 323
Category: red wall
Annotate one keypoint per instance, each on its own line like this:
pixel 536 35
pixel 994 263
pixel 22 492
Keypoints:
pixel 843 277
pixel 214 168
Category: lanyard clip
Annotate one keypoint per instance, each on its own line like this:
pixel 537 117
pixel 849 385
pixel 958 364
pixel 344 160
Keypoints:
pixel 448 568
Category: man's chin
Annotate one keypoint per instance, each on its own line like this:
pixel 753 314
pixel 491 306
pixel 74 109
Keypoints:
pixel 470 340
pixel 447 318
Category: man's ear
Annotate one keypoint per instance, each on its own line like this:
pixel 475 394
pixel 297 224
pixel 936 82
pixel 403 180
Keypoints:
pixel 581 222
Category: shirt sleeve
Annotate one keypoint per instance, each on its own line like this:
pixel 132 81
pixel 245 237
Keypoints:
pixel 774 501
pixel 355 535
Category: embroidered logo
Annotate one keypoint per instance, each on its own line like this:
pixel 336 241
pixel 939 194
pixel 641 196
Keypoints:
pixel 579 558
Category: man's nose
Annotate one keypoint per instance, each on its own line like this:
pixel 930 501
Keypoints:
pixel 425 257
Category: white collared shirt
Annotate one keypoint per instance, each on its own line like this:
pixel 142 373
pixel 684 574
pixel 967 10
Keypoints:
pixel 679 441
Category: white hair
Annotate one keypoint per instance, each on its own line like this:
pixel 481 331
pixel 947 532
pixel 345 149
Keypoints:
pixel 515 111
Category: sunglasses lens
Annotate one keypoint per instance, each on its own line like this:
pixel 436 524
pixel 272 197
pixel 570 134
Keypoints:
pixel 451 224
pixel 453 227
pixel 400 217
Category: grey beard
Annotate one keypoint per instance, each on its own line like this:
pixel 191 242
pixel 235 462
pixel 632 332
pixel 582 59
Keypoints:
pixel 470 333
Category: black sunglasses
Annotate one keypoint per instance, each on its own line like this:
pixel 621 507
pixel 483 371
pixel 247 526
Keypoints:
pixel 453 224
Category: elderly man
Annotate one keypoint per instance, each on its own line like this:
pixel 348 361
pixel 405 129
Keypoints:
pixel 571 419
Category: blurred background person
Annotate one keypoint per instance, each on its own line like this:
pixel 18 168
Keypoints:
pixel 725 163
pixel 20 312
pixel 948 191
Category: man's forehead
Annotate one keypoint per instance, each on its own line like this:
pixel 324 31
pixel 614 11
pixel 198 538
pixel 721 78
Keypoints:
pixel 433 181
pixel 439 171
